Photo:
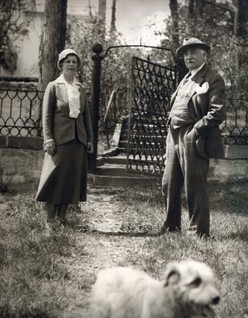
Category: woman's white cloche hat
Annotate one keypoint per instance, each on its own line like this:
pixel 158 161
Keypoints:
pixel 63 55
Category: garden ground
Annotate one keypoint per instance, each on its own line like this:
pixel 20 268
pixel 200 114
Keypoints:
pixel 48 273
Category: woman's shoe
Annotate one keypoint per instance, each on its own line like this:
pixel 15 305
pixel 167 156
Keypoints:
pixel 61 211
pixel 51 212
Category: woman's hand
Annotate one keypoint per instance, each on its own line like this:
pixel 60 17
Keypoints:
pixel 50 147
pixel 90 148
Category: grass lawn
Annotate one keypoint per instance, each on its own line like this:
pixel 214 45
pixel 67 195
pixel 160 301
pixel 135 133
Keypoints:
pixel 49 274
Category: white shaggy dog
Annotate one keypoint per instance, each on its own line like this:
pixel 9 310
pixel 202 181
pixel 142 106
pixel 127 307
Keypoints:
pixel 187 291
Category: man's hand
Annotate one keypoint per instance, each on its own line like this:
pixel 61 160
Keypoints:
pixel 196 132
pixel 90 148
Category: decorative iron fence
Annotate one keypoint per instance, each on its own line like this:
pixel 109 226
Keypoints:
pixel 152 87
pixel 234 129
pixel 20 116
pixel 20 113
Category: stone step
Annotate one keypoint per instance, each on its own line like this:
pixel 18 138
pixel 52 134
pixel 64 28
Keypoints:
pixel 118 176
pixel 123 144
pixel 112 169
pixel 122 150
pixel 120 159
pixel 124 181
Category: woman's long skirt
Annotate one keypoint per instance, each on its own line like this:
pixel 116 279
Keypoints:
pixel 64 176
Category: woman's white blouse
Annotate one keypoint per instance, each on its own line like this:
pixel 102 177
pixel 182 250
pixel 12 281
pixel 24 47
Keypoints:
pixel 74 99
pixel 73 96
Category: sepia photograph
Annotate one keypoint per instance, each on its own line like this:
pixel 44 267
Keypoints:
pixel 123 158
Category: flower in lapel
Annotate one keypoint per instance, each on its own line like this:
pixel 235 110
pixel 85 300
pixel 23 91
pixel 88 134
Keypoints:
pixel 202 89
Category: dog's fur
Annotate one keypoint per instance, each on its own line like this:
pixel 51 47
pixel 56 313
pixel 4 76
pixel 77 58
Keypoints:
pixel 187 291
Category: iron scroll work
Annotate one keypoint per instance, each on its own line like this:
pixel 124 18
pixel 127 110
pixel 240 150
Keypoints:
pixel 152 87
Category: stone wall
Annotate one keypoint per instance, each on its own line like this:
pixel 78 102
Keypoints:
pixel 20 165
pixel 24 165
pixel 233 167
pixel 21 159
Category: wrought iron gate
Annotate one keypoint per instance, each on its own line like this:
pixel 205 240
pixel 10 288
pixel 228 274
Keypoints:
pixel 152 87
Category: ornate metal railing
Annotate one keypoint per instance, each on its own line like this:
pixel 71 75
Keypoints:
pixel 20 113
pixel 152 86
pixel 149 134
pixel 234 129
pixel 20 116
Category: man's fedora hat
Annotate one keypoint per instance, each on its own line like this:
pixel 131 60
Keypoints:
pixel 192 42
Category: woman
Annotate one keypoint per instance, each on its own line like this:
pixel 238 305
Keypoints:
pixel 68 137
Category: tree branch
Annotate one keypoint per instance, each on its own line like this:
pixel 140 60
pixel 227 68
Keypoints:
pixel 224 6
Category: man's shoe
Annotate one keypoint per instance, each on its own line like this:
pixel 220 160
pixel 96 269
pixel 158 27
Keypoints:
pixel 193 231
pixel 166 229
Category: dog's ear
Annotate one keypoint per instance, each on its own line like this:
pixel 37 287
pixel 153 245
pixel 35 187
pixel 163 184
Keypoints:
pixel 172 275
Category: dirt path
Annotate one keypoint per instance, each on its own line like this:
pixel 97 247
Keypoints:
pixel 99 233
pixel 102 213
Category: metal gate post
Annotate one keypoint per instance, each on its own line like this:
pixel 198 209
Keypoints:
pixel 95 101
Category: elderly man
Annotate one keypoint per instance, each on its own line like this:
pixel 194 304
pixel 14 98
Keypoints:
pixel 197 110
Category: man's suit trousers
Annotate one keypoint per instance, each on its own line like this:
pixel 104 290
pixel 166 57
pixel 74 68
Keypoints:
pixel 185 167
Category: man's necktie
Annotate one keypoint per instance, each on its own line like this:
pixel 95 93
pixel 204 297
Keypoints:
pixel 186 78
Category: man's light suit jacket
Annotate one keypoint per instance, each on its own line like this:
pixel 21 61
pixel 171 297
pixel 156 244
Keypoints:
pixel 208 110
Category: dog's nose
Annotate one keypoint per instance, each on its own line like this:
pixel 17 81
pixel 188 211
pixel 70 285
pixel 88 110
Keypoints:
pixel 215 300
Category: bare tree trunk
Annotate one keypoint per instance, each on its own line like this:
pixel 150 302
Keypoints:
pixel 175 36
pixel 195 13
pixel 52 40
pixel 242 19
pixel 113 17
pixel 102 11
pixel 199 6
pixel 191 17
pixel 175 27
pixel 102 16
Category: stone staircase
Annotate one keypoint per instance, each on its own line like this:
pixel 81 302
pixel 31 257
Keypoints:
pixel 112 164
